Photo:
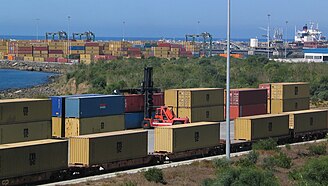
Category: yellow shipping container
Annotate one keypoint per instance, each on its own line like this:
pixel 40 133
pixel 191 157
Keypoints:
pixel 103 148
pixel 197 114
pixel 56 55
pixel 308 121
pixel 57 127
pixel 20 132
pixel 85 61
pixel 85 56
pixel 82 126
pixel 77 51
pixel 288 105
pixel 38 59
pixel 269 106
pixel 290 90
pixel 194 97
pixel 25 55
pixel 24 110
pixel 261 126
pixel 28 158
pixel 178 138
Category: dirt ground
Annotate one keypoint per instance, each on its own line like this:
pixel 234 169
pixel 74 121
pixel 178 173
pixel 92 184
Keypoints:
pixel 194 174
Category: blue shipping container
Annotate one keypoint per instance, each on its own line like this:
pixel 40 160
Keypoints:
pixel 58 103
pixel 77 47
pixel 133 120
pixel 94 106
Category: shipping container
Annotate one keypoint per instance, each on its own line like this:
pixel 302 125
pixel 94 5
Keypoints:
pixel 214 113
pixel 178 138
pixel 24 110
pixel 20 132
pixel 247 110
pixel 103 148
pixel 194 97
pixel 83 126
pixel 290 90
pixel 288 105
pixel 133 120
pixel 95 106
pixel 261 127
pixel 308 121
pixel 58 103
pixel 58 127
pixel 241 97
pixel 134 103
pixel 27 158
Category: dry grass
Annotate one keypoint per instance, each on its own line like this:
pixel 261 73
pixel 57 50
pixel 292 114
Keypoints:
pixel 194 174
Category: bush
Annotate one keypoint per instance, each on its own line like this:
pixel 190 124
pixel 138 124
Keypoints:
pixel 314 172
pixel 154 175
pixel 269 163
pixel 283 161
pixel 267 144
pixel 249 160
pixel 129 183
pixel 317 149
pixel 288 147
pixel 221 163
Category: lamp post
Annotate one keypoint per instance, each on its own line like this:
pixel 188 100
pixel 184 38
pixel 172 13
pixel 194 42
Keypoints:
pixel 286 44
pixel 228 87
pixel 68 41
pixel 268 36
pixel 123 30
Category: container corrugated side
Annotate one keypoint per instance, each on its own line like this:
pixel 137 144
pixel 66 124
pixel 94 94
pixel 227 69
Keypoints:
pixel 268 87
pixel 109 147
pixel 243 97
pixel 24 110
pixel 26 158
pixel 288 105
pixel 202 97
pixel 308 120
pixel 262 126
pixel 83 126
pixel 290 90
pixel 184 137
pixel 171 98
pixel 94 106
pixel 21 132
pixel 215 113
pixel 133 120
pixel 56 127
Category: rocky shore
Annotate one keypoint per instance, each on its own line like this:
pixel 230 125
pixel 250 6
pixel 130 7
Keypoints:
pixel 40 91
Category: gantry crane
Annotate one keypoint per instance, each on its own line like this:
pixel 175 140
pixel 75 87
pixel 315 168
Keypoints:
pixel 61 35
pixel 207 43
pixel 89 36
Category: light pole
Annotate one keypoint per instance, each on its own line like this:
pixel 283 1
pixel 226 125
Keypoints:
pixel 37 28
pixel 268 36
pixel 123 30
pixel 228 87
pixel 68 42
pixel 286 44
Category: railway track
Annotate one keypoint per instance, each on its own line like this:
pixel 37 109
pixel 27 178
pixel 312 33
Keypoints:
pixel 162 166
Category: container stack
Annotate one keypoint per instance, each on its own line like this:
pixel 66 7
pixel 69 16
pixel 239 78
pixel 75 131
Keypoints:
pixel 93 114
pixel 267 86
pixel 24 120
pixel 134 108
pixel 162 50
pixel 192 47
pixel 92 48
pixel 198 104
pixel 3 48
pixel 86 58
pixel 247 102
pixel 287 97
pixel 40 51
pixel 77 47
pixel 24 49
pixel 57 49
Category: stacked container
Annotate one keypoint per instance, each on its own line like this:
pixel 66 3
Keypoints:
pixel 93 114
pixel 134 108
pixel 198 104
pixel 247 102
pixel 24 120
pixel 92 48
pixel 287 97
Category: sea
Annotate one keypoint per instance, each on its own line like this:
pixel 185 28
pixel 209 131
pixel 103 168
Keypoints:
pixel 15 79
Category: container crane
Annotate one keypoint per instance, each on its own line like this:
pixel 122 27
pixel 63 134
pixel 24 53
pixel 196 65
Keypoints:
pixel 89 36
pixel 61 35
pixel 207 40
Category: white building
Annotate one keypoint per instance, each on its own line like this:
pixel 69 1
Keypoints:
pixel 316 55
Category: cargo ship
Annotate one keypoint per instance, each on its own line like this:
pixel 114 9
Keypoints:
pixel 309 34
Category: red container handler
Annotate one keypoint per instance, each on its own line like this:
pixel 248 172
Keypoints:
pixel 241 97
pixel 268 87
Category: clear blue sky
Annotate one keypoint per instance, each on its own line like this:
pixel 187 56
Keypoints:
pixel 157 18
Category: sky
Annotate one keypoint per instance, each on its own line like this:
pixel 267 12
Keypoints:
pixel 159 18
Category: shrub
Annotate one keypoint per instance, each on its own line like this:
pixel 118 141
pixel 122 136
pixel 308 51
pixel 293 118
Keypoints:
pixel 221 163
pixel 253 156
pixel 267 144
pixel 283 161
pixel 317 149
pixel 154 175
pixel 129 183
pixel 314 172
pixel 288 147
pixel 249 160
pixel 269 163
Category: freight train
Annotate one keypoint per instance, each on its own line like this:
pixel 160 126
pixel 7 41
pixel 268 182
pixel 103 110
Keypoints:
pixel 60 159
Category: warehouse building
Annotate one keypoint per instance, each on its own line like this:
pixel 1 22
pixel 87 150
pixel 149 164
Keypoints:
pixel 316 55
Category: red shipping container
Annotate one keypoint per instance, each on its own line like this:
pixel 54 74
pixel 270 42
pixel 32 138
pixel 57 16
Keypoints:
pixel 176 46
pixel 134 49
pixel 240 97
pixel 164 45
pixel 24 52
pixel 247 110
pixel 51 59
pixel 56 52
pixel 62 60
pixel 91 44
pixel 40 48
pixel 158 99
pixel 25 48
pixel 134 103
pixel 268 87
